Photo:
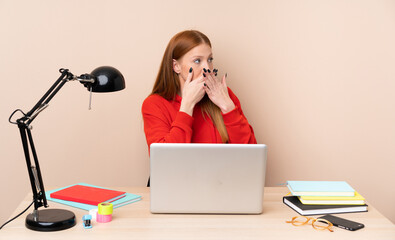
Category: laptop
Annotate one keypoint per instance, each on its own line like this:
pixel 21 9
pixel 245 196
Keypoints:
pixel 207 178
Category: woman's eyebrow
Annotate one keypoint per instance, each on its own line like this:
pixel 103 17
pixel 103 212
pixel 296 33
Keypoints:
pixel 198 56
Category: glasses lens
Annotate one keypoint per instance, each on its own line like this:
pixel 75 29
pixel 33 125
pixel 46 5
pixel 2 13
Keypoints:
pixel 300 220
pixel 321 224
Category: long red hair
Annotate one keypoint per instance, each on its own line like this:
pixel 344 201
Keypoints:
pixel 167 82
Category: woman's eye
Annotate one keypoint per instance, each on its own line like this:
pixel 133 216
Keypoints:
pixel 210 59
pixel 197 61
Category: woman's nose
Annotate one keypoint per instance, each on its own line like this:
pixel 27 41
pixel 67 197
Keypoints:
pixel 205 66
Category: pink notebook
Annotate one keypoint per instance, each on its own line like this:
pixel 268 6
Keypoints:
pixel 86 194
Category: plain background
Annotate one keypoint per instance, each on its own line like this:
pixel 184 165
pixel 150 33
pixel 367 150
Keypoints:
pixel 316 80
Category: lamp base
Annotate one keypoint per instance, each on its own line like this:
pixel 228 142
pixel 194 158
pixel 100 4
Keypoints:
pixel 48 220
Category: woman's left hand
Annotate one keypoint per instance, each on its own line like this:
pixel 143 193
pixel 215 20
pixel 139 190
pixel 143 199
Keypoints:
pixel 217 91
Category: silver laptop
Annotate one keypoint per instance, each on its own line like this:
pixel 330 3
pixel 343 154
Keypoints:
pixel 207 178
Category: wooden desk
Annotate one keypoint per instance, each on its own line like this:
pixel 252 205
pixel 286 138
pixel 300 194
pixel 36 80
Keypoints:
pixel 135 221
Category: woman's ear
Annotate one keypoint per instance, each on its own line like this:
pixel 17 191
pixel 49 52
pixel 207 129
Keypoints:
pixel 176 67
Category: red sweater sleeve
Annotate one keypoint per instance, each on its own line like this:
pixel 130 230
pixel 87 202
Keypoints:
pixel 239 130
pixel 163 123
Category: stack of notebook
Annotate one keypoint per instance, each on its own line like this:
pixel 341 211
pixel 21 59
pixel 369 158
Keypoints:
pixel 86 196
pixel 323 197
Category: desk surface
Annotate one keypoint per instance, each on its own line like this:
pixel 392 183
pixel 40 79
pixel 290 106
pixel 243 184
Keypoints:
pixel 135 221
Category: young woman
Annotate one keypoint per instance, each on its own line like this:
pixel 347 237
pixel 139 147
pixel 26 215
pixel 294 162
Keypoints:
pixel 188 103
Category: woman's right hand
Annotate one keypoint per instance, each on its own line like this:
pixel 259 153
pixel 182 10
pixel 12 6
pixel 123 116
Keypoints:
pixel 192 92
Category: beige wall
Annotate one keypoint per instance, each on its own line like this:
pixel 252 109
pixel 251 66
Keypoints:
pixel 316 79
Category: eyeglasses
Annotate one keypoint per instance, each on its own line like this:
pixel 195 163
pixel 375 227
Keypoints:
pixel 318 224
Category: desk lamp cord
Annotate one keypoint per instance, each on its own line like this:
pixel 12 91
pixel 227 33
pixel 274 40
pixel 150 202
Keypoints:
pixel 17 215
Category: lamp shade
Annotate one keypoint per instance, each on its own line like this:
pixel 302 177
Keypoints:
pixel 107 79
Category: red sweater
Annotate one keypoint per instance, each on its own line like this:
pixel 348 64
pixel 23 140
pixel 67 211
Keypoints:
pixel 164 123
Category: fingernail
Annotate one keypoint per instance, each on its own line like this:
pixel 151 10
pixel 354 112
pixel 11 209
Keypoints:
pixel 226 75
pixel 204 70
pixel 208 70
pixel 190 70
pixel 215 74
pixel 204 75
pixel 204 84
pixel 215 70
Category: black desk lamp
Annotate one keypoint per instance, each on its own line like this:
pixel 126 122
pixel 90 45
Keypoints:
pixel 102 79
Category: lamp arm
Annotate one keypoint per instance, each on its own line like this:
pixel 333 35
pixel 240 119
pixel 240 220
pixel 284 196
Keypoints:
pixel 33 170
pixel 23 123
pixel 65 74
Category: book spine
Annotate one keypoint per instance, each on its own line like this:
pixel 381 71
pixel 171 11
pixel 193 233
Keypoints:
pixel 74 199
